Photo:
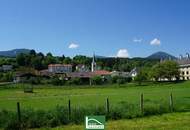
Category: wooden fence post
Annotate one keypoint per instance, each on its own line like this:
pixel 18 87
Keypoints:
pixel 171 102
pixel 69 108
pixel 18 112
pixel 142 103
pixel 108 105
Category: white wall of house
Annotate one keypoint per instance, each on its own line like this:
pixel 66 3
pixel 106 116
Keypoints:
pixel 185 72
pixel 7 67
pixel 60 68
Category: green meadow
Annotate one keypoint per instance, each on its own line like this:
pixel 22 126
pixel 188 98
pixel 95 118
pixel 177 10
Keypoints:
pixel 47 97
pixel 174 121
pixel 47 106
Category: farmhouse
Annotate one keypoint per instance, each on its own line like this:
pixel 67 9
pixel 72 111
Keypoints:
pixel 60 68
pixel 6 68
pixel 23 76
pixel 82 68
pixel 184 67
pixel 133 73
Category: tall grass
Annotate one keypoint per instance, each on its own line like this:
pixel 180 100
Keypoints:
pixel 31 118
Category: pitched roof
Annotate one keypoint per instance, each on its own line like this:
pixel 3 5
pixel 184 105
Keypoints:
pixel 80 74
pixel 183 61
pixel 58 65
pixel 101 72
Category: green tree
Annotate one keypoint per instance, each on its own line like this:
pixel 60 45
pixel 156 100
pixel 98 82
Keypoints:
pixel 67 60
pixel 141 76
pixel 165 70
pixel 20 59
pixel 96 80
pixel 32 53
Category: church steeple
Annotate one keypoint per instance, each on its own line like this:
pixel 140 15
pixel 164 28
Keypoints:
pixel 93 64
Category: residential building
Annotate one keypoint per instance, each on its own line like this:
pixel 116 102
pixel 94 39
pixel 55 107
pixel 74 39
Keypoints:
pixel 105 75
pixel 82 68
pixel 134 72
pixel 184 67
pixel 6 67
pixel 121 74
pixel 21 77
pixel 60 68
pixel 85 75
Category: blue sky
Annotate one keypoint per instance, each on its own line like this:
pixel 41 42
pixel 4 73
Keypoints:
pixel 106 27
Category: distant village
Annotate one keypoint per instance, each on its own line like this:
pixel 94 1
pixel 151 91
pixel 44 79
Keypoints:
pixel 65 71
pixel 83 72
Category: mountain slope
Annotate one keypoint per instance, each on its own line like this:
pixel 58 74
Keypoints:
pixel 161 55
pixel 13 53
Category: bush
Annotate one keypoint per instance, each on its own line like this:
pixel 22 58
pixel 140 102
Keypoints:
pixel 120 81
pixel 13 125
pixel 6 77
pixel 128 79
pixel 75 81
pixel 60 116
pixel 5 116
pixel 96 80
pixel 57 81
pixel 34 80
pixel 114 79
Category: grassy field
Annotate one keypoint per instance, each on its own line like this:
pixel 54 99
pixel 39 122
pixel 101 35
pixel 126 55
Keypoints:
pixel 174 121
pixel 47 97
pixel 39 109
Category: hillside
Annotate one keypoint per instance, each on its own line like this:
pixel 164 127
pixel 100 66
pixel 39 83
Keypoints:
pixel 13 53
pixel 161 55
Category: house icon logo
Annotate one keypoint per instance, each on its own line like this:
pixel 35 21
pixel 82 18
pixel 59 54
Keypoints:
pixel 95 123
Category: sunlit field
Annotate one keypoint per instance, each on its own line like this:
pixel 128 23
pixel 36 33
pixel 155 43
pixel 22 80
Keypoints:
pixel 174 121
pixel 47 97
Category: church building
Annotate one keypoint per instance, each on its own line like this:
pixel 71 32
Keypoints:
pixel 93 64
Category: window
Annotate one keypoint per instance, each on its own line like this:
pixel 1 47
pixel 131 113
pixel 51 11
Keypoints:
pixel 187 72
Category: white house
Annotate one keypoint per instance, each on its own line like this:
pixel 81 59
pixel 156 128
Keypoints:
pixel 82 68
pixel 184 67
pixel 60 68
pixel 6 68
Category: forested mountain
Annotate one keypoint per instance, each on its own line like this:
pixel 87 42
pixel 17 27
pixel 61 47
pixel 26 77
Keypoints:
pixel 13 53
pixel 161 55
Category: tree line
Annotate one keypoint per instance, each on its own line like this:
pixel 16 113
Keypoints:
pixel 163 71
pixel 40 61
pixel 148 69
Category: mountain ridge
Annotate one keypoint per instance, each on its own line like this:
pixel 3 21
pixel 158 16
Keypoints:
pixel 161 55
pixel 13 52
pixel 157 55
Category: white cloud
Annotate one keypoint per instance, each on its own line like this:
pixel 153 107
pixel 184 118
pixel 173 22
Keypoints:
pixel 155 42
pixel 123 53
pixel 73 46
pixel 137 40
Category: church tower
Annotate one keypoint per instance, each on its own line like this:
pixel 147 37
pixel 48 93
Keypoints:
pixel 93 64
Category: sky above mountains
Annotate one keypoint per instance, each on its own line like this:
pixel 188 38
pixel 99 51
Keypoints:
pixel 124 28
